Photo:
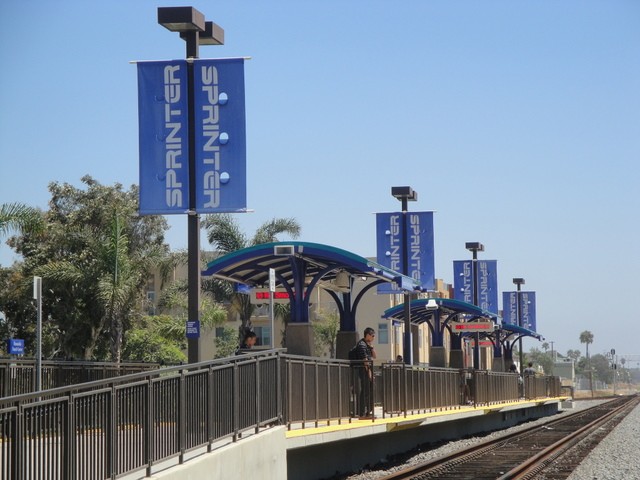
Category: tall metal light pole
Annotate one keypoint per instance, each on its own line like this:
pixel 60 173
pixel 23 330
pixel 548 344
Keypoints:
pixel 37 295
pixel 519 282
pixel 405 195
pixel 475 247
pixel 193 29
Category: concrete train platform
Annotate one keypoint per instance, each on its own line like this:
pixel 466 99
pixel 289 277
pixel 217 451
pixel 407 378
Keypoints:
pixel 325 451
pixel 321 452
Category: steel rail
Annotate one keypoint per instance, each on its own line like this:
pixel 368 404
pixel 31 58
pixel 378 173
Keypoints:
pixel 540 460
pixel 461 457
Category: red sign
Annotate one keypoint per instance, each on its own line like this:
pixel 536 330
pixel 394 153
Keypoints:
pixel 262 295
pixel 459 327
pixel 276 295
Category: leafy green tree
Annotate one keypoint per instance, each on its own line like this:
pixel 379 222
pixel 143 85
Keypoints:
pixel 574 355
pixel 94 255
pixel 226 343
pixel 602 368
pixel 147 342
pixel 325 332
pixel 541 358
pixel 225 236
pixel 283 312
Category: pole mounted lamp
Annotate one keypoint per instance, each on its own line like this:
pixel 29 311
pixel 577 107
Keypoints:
pixel 195 31
pixel 474 248
pixel 518 283
pixel 405 195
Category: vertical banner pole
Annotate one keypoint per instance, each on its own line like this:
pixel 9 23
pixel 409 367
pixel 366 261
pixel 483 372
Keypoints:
pixel 272 292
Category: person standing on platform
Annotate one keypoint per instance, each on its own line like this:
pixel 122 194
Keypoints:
pixel 365 353
pixel 530 370
pixel 249 340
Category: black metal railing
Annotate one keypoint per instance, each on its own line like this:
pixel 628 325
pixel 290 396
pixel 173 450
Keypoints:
pixel 110 428
pixel 18 376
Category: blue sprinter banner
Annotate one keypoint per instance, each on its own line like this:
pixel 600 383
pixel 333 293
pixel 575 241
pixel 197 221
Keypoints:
pixel 527 309
pixel 221 166
pixel 420 254
pixel 163 137
pixel 463 283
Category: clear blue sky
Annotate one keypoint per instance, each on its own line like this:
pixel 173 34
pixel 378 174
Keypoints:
pixel 517 122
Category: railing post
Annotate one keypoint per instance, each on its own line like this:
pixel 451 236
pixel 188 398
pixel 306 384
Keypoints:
pixel 210 409
pixel 69 433
pixel 236 394
pixel 258 411
pixel 111 442
pixel 149 437
pixel 182 415
pixel 317 397
pixel 279 411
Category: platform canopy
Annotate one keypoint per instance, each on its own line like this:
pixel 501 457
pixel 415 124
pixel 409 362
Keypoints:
pixel 509 330
pixel 421 310
pixel 250 266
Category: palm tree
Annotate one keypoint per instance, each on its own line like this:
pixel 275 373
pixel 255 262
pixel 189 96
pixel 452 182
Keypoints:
pixel 545 346
pixel 587 338
pixel 20 217
pixel 224 234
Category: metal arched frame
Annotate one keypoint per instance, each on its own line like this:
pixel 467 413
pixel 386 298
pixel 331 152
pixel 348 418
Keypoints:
pixel 294 263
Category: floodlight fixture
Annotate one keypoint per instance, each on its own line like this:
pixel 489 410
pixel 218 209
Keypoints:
pixel 181 19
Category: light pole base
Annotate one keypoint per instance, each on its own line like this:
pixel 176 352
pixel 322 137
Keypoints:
pixel 456 359
pixel 300 339
pixel 438 357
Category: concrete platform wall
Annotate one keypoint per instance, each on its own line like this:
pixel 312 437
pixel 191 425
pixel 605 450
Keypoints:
pixel 260 456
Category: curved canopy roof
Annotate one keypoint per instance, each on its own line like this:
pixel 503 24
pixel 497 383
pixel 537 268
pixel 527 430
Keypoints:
pixel 250 266
pixel 448 306
pixel 517 330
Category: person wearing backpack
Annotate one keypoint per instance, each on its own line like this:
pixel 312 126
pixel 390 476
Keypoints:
pixel 363 353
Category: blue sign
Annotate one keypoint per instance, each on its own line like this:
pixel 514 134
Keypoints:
pixel 163 137
pixel 193 329
pixel 419 244
pixel 463 282
pixel 15 346
pixel 527 309
pixel 221 151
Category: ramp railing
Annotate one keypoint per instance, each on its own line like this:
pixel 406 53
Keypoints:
pixel 136 424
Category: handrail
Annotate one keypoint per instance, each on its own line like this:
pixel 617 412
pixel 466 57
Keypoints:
pixel 141 419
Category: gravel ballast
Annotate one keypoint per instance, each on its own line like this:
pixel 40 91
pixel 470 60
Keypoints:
pixel 627 458
pixel 617 456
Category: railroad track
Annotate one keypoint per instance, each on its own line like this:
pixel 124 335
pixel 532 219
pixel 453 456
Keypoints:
pixel 550 451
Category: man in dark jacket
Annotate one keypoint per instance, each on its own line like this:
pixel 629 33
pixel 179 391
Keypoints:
pixel 365 353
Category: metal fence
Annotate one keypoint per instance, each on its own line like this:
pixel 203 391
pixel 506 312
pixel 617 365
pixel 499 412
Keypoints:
pixel 536 386
pixel 109 428
pixel 18 376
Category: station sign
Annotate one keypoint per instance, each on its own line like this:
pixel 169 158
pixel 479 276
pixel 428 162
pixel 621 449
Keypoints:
pixel 465 327
pixel 193 329
pixel 15 346
pixel 259 296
